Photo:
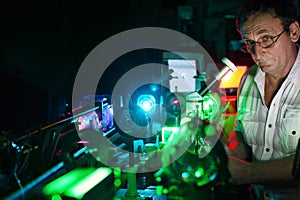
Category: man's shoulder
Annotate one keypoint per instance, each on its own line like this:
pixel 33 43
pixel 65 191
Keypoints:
pixel 252 70
pixel 248 76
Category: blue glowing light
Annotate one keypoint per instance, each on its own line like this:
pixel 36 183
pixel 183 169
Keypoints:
pixel 146 102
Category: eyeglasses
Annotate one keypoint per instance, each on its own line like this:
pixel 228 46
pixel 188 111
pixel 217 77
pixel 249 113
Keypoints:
pixel 265 42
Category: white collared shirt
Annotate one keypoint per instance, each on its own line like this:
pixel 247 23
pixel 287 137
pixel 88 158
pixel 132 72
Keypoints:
pixel 273 132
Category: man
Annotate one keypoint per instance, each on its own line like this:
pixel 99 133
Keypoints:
pixel 263 144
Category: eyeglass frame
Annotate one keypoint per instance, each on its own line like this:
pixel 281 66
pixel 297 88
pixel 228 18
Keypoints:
pixel 253 43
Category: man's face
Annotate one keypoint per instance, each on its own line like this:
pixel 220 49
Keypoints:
pixel 263 27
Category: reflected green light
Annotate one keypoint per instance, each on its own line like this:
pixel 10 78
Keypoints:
pixel 59 185
pixel 56 197
pixel 168 133
pixel 76 183
pixel 210 130
pixel 159 190
pixel 88 182
pixel 199 172
pixel 117 172
pixel 158 179
pixel 210 106
pixel 117 182
pixel 165 191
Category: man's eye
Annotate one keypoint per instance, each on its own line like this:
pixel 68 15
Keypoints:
pixel 266 38
pixel 249 42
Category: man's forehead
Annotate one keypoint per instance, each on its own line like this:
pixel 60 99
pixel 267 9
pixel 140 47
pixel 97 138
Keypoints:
pixel 259 32
pixel 260 23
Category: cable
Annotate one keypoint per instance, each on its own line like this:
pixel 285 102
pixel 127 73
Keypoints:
pixel 15 172
pixel 20 185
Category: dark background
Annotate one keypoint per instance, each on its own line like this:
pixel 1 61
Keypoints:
pixel 43 43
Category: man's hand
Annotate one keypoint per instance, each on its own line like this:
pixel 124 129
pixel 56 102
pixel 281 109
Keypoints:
pixel 240 170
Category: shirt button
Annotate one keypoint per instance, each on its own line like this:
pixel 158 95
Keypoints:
pixel 270 125
pixel 267 149
pixel 293 132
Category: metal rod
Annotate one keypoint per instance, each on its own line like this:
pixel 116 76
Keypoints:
pixel 54 124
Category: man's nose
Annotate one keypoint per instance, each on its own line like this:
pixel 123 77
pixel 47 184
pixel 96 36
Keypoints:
pixel 257 51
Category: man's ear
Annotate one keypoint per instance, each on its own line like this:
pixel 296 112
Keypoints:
pixel 294 31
